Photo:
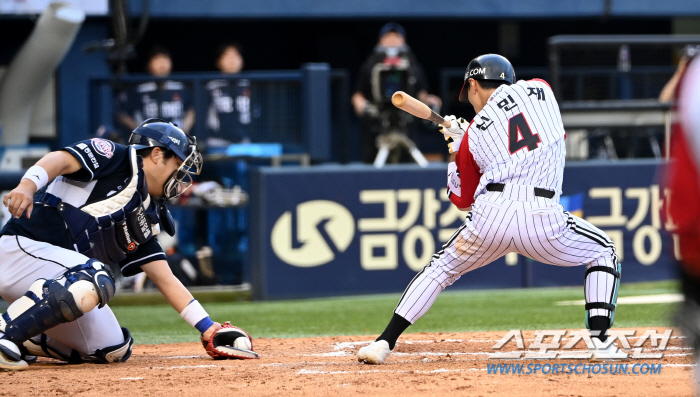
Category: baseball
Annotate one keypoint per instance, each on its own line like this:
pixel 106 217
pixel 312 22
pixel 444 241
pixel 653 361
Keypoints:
pixel 242 343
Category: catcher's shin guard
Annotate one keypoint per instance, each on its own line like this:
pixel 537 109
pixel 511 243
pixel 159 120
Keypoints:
pixel 117 353
pixel 49 303
pixel 601 286
pixel 43 346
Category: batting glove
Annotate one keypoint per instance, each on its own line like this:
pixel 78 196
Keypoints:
pixel 455 133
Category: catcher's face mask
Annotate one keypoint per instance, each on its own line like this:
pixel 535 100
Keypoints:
pixel 181 179
pixel 161 133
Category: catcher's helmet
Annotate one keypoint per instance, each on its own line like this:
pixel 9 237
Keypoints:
pixel 160 133
pixel 488 67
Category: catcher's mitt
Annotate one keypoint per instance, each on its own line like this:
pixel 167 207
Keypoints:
pixel 230 342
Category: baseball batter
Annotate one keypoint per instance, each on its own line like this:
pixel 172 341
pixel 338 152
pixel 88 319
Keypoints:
pixel 99 207
pixel 507 171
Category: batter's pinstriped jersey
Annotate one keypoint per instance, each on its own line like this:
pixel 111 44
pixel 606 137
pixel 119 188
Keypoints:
pixel 517 142
pixel 531 152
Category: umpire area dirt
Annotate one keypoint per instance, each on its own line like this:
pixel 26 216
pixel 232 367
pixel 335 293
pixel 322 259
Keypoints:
pixel 423 364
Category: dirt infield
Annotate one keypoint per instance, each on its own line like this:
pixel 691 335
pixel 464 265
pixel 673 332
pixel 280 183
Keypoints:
pixel 423 364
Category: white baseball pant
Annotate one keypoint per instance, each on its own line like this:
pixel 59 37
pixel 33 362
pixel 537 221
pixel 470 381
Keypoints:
pixel 516 220
pixel 23 262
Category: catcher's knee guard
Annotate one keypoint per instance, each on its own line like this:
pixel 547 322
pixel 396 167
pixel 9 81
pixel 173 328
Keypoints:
pixel 601 286
pixel 49 303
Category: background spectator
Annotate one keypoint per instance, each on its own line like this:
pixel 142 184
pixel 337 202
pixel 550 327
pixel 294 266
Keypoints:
pixel 169 100
pixel 391 67
pixel 230 111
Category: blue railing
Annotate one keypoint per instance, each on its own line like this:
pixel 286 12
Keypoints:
pixel 292 107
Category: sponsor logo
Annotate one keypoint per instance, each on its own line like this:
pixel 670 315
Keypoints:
pixel 177 141
pixel 143 223
pixel 405 228
pixel 130 245
pixel 86 149
pixel 314 219
pixel 475 71
pixel 103 147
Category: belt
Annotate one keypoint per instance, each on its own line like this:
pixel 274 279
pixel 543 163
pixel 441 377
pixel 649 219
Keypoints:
pixel 498 187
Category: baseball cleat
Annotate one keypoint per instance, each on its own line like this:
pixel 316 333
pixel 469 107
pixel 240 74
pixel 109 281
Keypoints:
pixel 606 352
pixel 10 357
pixel 374 353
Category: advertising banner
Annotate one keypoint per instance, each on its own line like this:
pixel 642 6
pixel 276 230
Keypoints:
pixel 343 230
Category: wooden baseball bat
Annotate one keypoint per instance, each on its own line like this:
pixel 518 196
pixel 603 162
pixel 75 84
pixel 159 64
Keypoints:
pixel 417 108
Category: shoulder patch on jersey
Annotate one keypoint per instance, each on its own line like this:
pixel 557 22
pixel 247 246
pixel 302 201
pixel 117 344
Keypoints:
pixel 174 85
pixel 103 147
pixel 146 87
pixel 214 84
pixel 498 90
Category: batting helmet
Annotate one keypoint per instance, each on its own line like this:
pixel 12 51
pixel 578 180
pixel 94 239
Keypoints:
pixel 488 67
pixel 160 133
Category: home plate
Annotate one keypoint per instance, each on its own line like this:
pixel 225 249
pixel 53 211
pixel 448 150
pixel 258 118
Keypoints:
pixel 634 300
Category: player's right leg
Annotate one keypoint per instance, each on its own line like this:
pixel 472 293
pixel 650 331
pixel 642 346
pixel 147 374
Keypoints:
pixel 483 238
pixel 50 300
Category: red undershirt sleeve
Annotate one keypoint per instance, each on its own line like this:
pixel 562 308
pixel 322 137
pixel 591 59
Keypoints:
pixel 469 176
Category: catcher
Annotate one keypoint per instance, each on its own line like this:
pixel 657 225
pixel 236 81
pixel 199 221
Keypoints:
pixel 98 207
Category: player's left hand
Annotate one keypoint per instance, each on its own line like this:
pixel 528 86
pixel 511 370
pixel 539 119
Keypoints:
pixel 455 133
pixel 228 342
pixel 21 199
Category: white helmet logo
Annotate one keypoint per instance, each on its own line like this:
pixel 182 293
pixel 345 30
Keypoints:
pixel 177 141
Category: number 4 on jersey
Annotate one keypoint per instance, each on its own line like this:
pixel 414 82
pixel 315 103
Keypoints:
pixel 520 135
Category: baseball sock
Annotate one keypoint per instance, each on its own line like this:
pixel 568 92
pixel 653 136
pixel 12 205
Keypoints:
pixel 599 323
pixel 395 328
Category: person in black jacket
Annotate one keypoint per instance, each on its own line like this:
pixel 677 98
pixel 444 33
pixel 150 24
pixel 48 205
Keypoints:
pixel 391 67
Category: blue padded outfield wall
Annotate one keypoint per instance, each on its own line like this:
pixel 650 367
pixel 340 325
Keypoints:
pixel 342 230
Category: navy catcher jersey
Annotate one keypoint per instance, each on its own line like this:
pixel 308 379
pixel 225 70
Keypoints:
pixel 106 170
pixel 167 100
pixel 230 112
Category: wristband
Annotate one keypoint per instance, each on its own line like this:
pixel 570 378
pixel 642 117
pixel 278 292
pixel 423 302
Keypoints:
pixel 204 325
pixel 195 315
pixel 38 175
